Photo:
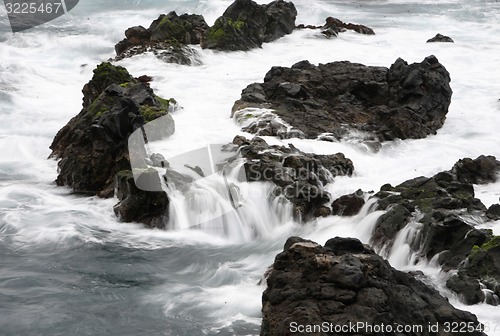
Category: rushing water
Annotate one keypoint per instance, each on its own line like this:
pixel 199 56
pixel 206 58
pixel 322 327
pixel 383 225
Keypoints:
pixel 68 267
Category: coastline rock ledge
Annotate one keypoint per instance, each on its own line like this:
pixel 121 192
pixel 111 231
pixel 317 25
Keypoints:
pixel 93 146
pixel 334 100
pixel 345 282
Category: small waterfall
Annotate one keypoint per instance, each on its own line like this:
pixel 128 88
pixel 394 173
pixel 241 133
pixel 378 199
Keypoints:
pixel 366 220
pixel 207 206
pixel 489 296
pixel 404 251
pixel 207 188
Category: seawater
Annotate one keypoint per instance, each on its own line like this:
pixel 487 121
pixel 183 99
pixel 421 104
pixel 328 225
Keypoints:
pixel 69 267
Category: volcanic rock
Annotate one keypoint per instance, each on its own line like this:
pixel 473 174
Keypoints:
pixel 348 205
pixel 446 207
pixel 92 147
pixel 246 25
pixel 167 37
pixel 339 98
pixel 344 283
pixel 299 177
pixel 440 38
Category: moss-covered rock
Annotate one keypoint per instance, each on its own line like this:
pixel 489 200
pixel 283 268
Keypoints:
pixel 105 74
pixel 92 147
pixel 481 269
pixel 167 37
pixel 246 25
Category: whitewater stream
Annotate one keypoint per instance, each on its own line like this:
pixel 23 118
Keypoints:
pixel 69 267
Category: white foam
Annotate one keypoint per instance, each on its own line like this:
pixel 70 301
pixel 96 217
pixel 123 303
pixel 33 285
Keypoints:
pixel 42 72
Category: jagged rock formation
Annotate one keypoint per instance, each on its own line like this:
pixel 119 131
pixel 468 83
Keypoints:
pixel 445 206
pixel 334 26
pixel 167 37
pixel 345 283
pixel 348 205
pixel 246 25
pixel 300 177
pixel 440 38
pixel 92 147
pixel 137 205
pixel 338 98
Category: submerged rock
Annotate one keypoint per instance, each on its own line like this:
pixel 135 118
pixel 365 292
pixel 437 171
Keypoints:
pixel 446 208
pixel 345 283
pixel 299 177
pixel 246 25
pixel 404 101
pixel 92 147
pixel 440 38
pixel 167 37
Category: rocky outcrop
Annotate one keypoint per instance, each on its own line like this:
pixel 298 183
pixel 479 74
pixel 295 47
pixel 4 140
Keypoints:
pixel 299 177
pixel 440 38
pixel 447 210
pixel 92 147
pixel 246 25
pixel 348 205
pixel 493 212
pixel 167 37
pixel 345 283
pixel 478 278
pixel 136 205
pixel 339 98
pixel 334 26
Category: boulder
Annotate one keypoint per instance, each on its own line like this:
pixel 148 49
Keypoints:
pixel 343 99
pixel 136 205
pixel 481 270
pixel 92 146
pixel 167 37
pixel 446 207
pixel 334 26
pixel 348 205
pixel 440 38
pixel 186 29
pixel 299 177
pixel 337 26
pixel 493 212
pixel 482 170
pixel 246 25
pixel 345 283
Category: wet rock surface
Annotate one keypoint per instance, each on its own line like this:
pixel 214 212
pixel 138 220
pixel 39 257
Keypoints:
pixel 299 177
pixel 348 205
pixel 404 101
pixel 168 38
pixel 345 282
pixel 447 211
pixel 136 205
pixel 92 147
pixel 440 38
pixel 246 25
pixel 334 26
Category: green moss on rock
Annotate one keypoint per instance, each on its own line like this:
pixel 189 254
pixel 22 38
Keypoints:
pixel 224 29
pixel 490 244
pixel 106 74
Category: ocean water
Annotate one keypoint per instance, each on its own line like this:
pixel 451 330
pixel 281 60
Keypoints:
pixel 68 267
